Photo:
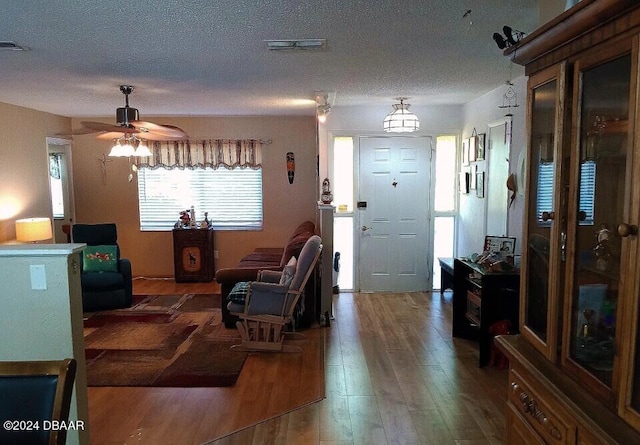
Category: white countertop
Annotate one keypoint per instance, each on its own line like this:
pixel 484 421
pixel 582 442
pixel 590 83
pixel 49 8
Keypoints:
pixel 22 250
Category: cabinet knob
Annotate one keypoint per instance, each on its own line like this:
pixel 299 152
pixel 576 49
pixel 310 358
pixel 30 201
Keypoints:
pixel 547 216
pixel 625 230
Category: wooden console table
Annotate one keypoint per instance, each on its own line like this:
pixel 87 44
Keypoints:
pixel 193 255
pixel 480 298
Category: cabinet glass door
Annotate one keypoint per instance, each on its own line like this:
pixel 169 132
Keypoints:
pixel 598 204
pixel 539 306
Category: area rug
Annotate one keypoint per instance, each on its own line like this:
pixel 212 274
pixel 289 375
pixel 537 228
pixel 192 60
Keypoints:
pixel 162 340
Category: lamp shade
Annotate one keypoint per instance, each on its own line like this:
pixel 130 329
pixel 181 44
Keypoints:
pixel 33 229
pixel 401 120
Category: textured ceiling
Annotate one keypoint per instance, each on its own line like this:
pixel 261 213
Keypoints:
pixel 207 57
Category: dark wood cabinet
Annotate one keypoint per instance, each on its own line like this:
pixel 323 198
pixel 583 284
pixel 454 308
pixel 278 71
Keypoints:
pixel 193 255
pixel 578 353
pixel 480 298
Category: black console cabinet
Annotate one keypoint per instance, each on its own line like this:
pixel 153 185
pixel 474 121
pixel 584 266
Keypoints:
pixel 480 298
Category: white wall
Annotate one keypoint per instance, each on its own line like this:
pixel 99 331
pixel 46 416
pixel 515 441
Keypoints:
pixel 45 324
pixel 478 114
pixel 367 120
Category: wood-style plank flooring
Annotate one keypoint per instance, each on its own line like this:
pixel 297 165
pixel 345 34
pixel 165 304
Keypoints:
pixel 394 375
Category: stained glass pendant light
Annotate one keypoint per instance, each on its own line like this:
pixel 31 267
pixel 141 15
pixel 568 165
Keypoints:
pixel 401 120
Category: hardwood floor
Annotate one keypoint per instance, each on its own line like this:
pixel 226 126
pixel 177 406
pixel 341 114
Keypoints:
pixel 393 375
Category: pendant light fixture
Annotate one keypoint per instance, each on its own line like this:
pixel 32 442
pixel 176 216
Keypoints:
pixel 401 120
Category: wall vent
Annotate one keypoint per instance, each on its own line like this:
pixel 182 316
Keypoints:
pixel 7 45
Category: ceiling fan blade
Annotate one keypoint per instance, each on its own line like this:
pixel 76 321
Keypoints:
pixel 153 136
pixel 80 131
pixel 99 126
pixel 169 131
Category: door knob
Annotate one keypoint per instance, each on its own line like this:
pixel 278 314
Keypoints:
pixel 625 230
pixel 365 228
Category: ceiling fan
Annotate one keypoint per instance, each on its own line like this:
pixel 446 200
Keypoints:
pixel 129 125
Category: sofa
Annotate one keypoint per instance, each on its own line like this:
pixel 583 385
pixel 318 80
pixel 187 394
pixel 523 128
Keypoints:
pixel 269 258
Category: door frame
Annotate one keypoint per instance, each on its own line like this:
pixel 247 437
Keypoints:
pixel 508 121
pixel 67 144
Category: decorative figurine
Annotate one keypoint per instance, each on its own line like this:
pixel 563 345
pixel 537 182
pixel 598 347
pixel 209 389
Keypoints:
pixel 602 251
pixel 326 196
pixel 185 218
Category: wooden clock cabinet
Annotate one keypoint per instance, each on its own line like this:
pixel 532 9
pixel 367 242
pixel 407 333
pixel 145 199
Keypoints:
pixel 193 255
pixel 575 367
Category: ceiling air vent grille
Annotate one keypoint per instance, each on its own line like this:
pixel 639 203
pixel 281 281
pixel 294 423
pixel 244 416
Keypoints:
pixel 297 45
pixel 7 45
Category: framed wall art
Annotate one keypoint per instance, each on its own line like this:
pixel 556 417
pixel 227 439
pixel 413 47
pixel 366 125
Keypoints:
pixel 463 182
pixel 480 184
pixel 465 152
pixel 474 169
pixel 473 142
pixel 480 149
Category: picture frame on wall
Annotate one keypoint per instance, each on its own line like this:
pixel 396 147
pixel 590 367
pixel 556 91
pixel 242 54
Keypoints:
pixel 465 152
pixel 480 150
pixel 473 143
pixel 480 184
pixel 463 182
pixel 473 178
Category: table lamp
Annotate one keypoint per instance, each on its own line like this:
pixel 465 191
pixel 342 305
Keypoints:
pixel 31 230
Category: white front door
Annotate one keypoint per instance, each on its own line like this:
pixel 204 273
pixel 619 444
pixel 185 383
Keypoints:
pixel 393 209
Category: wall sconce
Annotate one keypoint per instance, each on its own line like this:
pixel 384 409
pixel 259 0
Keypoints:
pixel 31 230
pixel 322 111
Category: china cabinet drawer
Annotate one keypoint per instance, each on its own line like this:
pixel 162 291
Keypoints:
pixel 518 429
pixel 537 413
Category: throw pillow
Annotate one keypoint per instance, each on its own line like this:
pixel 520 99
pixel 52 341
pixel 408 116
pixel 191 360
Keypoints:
pixel 288 272
pixel 100 259
pixel 239 292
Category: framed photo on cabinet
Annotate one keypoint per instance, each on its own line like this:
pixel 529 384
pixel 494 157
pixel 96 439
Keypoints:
pixel 504 244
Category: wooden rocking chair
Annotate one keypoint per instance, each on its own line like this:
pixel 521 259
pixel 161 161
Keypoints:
pixel 270 303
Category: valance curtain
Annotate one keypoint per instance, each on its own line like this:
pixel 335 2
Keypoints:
pixel 200 154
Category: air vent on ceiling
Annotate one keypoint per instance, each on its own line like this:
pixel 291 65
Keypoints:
pixel 7 45
pixel 297 45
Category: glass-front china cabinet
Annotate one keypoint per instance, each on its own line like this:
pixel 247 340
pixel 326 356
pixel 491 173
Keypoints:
pixel 575 368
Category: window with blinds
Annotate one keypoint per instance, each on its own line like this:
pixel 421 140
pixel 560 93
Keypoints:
pixel 586 196
pixel 232 197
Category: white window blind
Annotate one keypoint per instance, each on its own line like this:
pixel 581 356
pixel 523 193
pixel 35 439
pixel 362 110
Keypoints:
pixel 586 196
pixel 587 192
pixel 232 197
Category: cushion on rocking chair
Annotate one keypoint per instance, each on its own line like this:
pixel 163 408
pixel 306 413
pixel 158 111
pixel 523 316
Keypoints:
pixel 239 292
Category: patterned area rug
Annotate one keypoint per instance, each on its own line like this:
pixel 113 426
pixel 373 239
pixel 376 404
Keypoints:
pixel 162 340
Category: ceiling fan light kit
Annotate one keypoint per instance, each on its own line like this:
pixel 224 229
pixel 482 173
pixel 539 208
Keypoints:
pixel 129 146
pixel 130 133
pixel 401 120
